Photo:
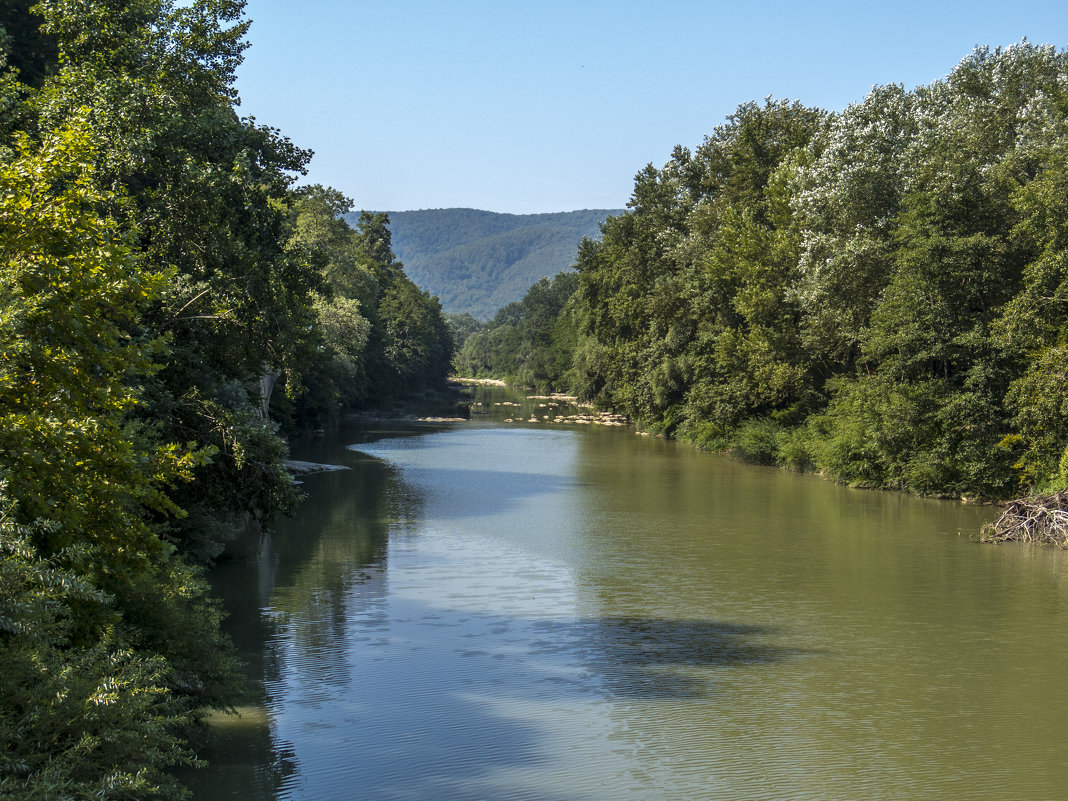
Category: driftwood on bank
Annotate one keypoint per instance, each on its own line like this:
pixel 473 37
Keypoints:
pixel 1041 518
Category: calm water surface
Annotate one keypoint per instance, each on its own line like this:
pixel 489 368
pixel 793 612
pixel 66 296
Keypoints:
pixel 498 611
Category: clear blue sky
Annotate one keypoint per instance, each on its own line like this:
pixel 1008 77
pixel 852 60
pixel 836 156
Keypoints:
pixel 554 105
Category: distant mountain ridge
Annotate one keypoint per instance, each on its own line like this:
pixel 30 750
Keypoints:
pixel 478 261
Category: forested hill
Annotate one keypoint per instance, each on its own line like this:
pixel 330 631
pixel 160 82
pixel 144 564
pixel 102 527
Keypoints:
pixel 478 261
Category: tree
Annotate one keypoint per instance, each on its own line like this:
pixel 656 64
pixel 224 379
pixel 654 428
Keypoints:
pixel 204 192
pixel 1033 325
pixel 73 352
pixel 108 643
pixel 956 265
pixel 531 341
pixel 690 290
pixel 90 721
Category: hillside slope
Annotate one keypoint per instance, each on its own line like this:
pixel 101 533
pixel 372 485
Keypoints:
pixel 477 261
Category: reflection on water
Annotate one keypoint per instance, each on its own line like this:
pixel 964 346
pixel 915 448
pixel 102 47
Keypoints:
pixel 490 612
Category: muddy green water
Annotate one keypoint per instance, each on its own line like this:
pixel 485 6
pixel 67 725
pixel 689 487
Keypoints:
pixel 505 611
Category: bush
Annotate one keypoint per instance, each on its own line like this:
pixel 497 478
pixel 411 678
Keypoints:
pixel 757 441
pixel 795 449
pixel 704 434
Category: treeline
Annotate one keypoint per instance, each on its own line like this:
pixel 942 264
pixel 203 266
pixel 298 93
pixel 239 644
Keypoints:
pixel 880 294
pixel 160 275
pixel 530 341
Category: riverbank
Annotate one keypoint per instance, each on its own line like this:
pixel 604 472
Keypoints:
pixel 768 444
pixel 477 382
pixel 556 408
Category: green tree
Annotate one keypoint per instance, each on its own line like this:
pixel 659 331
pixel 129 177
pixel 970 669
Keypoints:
pixel 956 266
pixel 1034 323
pixel 204 193
pixel 531 341
pixel 31 52
pixel 333 357
pixel 87 720
pixel 687 296
pixel 845 196
pixel 71 292
pixel 108 643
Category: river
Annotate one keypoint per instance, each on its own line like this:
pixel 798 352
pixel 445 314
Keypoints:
pixel 509 611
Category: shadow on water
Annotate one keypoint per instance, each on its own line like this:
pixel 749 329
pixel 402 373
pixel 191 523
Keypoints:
pixel 639 659
pixel 405 699
pixel 302 575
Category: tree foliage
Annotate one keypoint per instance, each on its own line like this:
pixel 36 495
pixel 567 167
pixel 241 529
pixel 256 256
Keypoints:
pixel 530 341
pixel 879 294
pixel 378 336
pixel 157 267
pixel 108 641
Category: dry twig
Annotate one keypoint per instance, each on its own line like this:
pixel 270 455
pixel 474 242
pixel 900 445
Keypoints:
pixel 1040 518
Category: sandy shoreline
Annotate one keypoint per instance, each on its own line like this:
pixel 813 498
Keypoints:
pixel 482 382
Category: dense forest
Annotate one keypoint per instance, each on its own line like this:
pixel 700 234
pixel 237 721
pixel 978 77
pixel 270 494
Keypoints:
pixel 880 294
pixel 478 261
pixel 161 276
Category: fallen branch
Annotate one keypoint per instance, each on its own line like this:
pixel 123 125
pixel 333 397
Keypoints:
pixel 1041 518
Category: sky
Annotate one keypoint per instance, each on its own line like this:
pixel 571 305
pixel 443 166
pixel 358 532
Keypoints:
pixel 526 107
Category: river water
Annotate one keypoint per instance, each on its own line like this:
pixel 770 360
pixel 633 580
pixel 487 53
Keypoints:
pixel 507 611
